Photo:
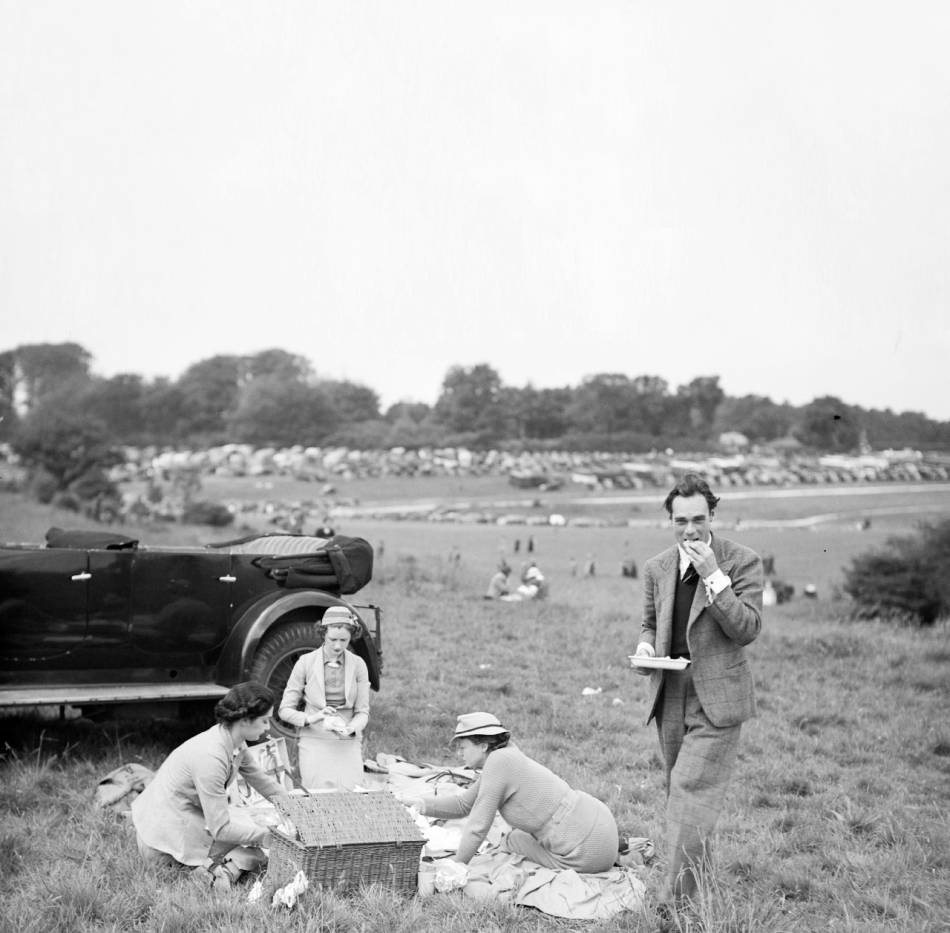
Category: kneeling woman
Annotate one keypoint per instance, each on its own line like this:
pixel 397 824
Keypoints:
pixel 552 824
pixel 183 817
pixel 327 698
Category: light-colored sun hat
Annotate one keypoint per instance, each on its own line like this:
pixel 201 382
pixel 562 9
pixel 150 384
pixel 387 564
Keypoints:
pixel 470 724
pixel 340 615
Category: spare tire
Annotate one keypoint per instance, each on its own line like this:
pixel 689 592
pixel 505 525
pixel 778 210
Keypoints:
pixel 278 652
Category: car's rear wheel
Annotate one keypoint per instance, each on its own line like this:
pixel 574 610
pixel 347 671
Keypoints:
pixel 276 655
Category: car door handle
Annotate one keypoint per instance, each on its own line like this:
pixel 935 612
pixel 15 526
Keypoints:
pixel 81 576
pixel 228 579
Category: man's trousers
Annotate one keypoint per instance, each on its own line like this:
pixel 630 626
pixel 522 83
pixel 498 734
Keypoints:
pixel 699 759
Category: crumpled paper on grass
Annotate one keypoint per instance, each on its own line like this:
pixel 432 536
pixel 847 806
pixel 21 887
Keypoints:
pixel 450 876
pixel 288 894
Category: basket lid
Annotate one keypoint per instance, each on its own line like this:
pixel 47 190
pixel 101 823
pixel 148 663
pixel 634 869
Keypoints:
pixel 345 817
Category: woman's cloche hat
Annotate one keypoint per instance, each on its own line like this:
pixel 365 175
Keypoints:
pixel 340 615
pixel 470 724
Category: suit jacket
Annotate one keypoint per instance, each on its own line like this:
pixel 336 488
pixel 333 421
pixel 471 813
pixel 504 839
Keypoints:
pixel 715 632
pixel 306 683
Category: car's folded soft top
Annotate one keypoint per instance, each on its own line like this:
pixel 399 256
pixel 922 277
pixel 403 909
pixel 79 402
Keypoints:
pixel 341 564
pixel 93 540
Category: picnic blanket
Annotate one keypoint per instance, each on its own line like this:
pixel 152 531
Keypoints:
pixel 493 874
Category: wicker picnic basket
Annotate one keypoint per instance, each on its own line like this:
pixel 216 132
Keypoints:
pixel 344 839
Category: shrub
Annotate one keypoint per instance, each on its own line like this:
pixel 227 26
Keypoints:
pixel 67 501
pixel 203 512
pixel 909 578
pixel 92 483
pixel 43 486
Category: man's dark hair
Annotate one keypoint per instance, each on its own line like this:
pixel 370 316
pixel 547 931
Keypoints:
pixel 692 484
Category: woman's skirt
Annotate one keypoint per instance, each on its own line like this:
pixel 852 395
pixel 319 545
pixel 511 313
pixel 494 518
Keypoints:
pixel 327 759
pixel 581 834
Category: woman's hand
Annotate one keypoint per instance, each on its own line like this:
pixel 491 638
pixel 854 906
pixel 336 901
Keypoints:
pixel 409 800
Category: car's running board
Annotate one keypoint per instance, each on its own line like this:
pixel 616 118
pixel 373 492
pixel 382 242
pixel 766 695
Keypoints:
pixel 107 693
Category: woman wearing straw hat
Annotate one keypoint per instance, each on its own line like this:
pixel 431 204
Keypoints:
pixel 552 824
pixel 331 685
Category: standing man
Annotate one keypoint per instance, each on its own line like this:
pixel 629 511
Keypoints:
pixel 702 601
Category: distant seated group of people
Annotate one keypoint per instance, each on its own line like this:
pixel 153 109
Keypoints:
pixel 532 585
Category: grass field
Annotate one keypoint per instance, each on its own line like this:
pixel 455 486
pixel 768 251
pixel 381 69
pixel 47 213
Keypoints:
pixel 838 814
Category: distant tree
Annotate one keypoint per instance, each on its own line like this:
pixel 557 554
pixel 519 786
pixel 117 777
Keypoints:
pixel 361 435
pixel 351 402
pixel 42 369
pixel 827 423
pixel 513 404
pixel 273 412
pixel 652 405
pixel 279 363
pixel 163 407
pixel 906 429
pixel 602 404
pixel 8 415
pixel 414 411
pixel 700 398
pixel 755 416
pixel 65 442
pixel 535 414
pixel 470 402
pixel 407 432
pixel 210 391
pixel 117 403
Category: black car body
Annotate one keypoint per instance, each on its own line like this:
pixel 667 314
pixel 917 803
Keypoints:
pixel 96 618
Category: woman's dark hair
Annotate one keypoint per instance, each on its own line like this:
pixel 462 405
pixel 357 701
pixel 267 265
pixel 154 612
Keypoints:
pixel 491 742
pixel 244 701
pixel 692 484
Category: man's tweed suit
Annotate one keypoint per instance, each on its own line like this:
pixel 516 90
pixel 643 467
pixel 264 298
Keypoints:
pixel 699 711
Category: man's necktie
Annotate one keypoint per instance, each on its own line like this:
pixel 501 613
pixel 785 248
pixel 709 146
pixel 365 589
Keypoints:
pixel 690 576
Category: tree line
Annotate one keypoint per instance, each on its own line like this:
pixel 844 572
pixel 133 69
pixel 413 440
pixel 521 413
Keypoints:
pixel 49 397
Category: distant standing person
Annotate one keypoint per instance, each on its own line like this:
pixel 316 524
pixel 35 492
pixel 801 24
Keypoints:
pixel 530 544
pixel 702 601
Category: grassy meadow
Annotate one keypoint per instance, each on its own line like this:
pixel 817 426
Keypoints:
pixel 837 818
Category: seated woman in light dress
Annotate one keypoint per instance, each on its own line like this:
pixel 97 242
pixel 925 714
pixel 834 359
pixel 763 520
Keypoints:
pixel 552 824
pixel 327 698
pixel 182 816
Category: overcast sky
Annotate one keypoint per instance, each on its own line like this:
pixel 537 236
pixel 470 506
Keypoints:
pixel 754 189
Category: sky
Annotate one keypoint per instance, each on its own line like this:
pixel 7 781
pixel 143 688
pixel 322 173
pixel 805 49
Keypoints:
pixel 756 190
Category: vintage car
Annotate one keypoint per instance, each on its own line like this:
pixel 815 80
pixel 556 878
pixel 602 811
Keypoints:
pixel 95 618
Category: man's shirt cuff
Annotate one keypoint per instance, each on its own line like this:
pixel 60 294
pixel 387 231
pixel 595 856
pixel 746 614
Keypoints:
pixel 715 583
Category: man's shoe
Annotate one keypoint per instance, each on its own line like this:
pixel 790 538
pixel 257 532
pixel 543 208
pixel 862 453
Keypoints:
pixel 216 879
